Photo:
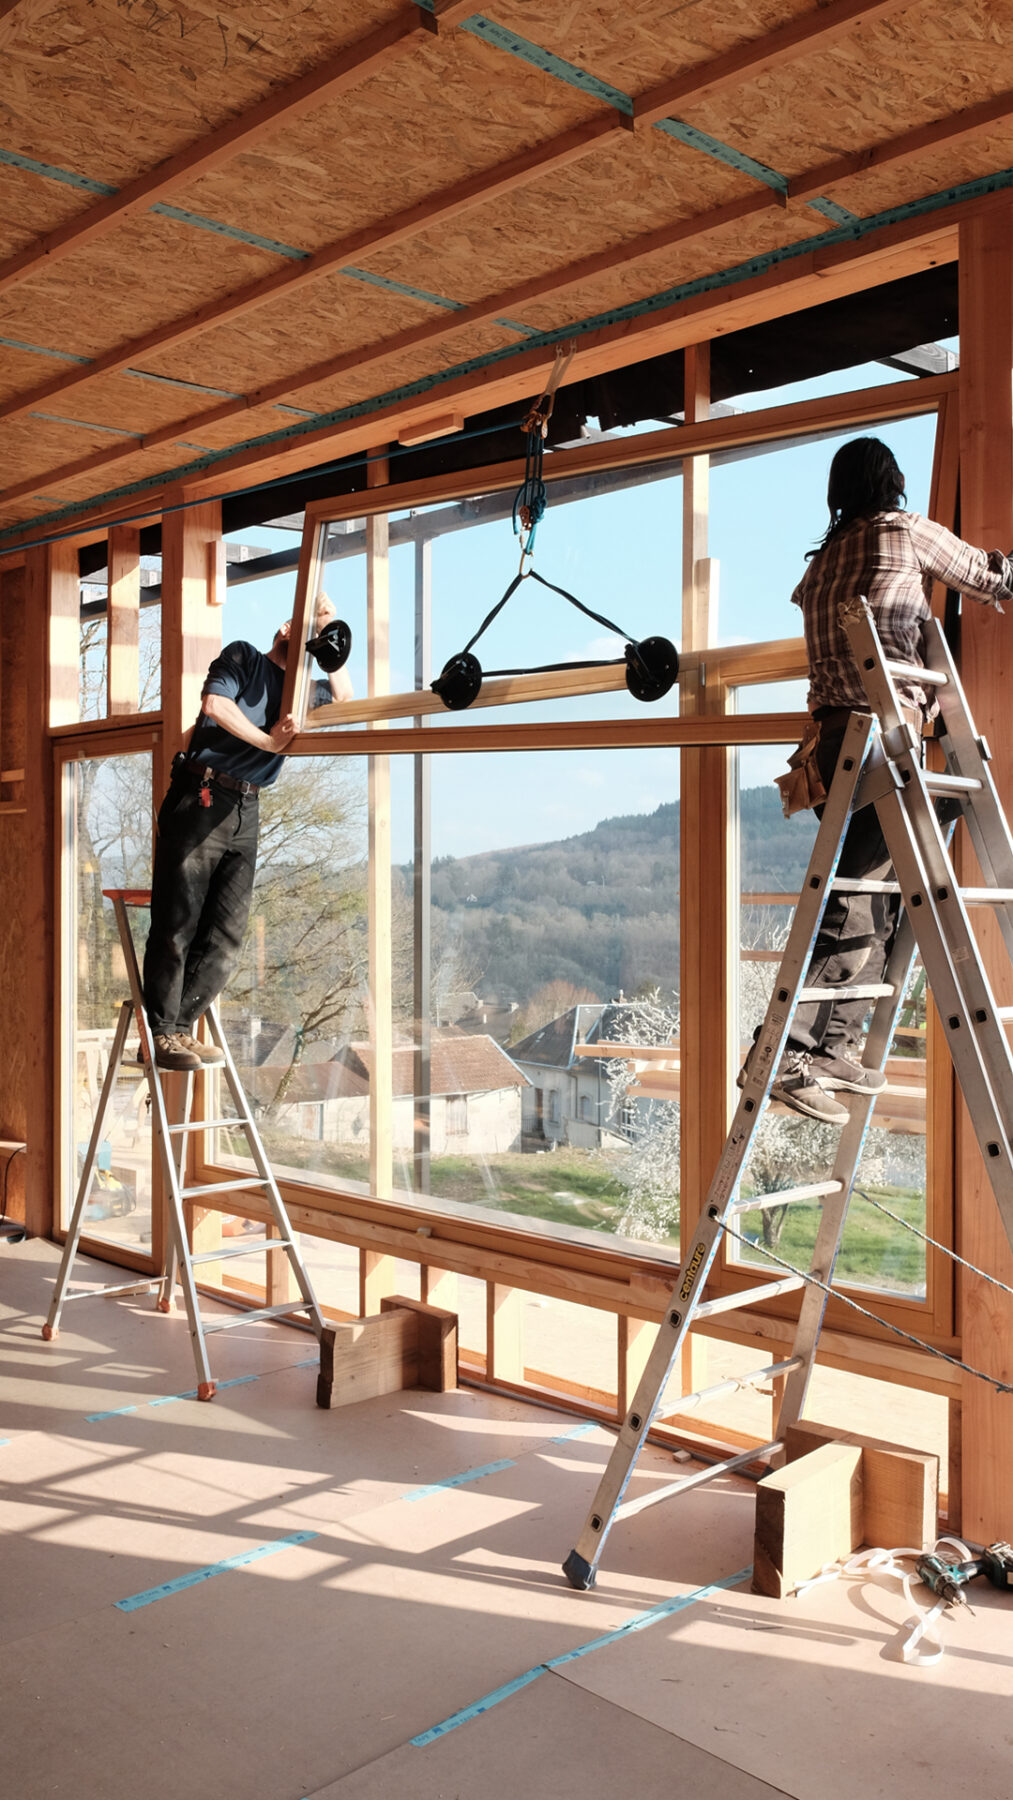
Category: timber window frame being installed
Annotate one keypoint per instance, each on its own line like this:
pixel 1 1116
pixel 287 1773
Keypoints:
pixel 706 731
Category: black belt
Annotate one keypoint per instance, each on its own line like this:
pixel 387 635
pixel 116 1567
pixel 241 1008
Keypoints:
pixel 203 775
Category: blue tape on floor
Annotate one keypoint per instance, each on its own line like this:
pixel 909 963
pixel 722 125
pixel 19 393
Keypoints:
pixel 196 1576
pixel 462 1480
pixel 639 1622
pixel 578 1431
pixel 166 1399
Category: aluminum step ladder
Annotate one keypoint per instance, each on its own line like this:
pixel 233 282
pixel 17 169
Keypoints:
pixel 171 1142
pixel 880 765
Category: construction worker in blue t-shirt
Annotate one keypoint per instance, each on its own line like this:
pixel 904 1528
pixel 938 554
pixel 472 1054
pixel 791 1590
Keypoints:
pixel 206 839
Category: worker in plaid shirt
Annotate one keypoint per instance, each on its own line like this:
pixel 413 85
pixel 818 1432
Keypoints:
pixel 892 557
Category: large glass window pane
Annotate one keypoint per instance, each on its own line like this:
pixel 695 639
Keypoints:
pixel 877 1251
pixel 769 507
pixel 552 926
pixel 108 821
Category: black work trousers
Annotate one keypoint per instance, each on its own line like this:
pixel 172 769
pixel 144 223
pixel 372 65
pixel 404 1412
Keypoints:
pixel 857 931
pixel 201 888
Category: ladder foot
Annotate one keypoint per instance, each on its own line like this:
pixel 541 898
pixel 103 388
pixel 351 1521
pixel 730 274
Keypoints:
pixel 206 1390
pixel 164 1306
pixel 578 1571
pixel 49 1333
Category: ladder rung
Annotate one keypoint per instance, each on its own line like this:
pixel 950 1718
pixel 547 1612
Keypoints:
pixel 845 884
pixel 760 1454
pixel 951 784
pixel 106 1293
pixel 817 1190
pixel 911 672
pixel 247 1249
pixel 749 1297
pixel 987 896
pixel 688 1402
pixel 249 1318
pixel 1004 1014
pixel 877 991
pixel 223 1187
pixel 205 1125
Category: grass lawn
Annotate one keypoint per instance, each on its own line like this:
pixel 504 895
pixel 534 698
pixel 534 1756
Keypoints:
pixel 578 1187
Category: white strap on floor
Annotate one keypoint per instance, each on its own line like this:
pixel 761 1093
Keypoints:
pixel 914 1647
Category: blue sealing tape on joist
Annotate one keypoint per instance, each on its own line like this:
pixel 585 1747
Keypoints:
pixel 462 1480
pixel 578 1431
pixel 998 182
pixel 70 178
pixel 230 231
pixel 196 1576
pixel 831 210
pixel 195 387
pixel 52 173
pixel 526 51
pixel 694 139
pixel 40 350
pixel 639 1622
pixel 84 424
pixel 401 287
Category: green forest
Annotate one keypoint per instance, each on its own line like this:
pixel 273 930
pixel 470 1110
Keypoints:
pixel 599 910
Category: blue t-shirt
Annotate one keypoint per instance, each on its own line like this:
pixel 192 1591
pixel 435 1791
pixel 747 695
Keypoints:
pixel 243 674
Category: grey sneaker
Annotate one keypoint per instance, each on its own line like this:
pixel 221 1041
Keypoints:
pixel 172 1052
pixel 842 1074
pixel 206 1053
pixel 796 1085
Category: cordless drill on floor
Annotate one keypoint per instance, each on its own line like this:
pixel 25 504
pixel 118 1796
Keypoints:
pixel 949 1580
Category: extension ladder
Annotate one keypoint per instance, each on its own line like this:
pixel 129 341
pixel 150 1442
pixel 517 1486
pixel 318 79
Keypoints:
pixel 172 1140
pixel 879 765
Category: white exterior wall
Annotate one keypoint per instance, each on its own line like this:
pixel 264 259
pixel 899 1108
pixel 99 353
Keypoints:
pixel 493 1122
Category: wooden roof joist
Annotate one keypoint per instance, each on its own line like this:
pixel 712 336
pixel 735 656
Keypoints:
pixel 351 65
pixel 438 330
pixel 440 209
pixel 759 56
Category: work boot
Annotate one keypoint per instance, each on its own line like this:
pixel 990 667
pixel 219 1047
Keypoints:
pixel 840 1074
pixel 172 1052
pixel 208 1053
pixel 796 1085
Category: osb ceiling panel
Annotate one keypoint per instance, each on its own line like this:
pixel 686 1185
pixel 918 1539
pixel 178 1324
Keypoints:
pixel 110 87
pixel 102 91
pixel 421 124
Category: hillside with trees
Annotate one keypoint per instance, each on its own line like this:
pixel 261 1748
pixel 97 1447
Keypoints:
pixel 600 910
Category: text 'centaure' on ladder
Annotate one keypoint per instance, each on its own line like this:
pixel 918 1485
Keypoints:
pixel 879 765
pixel 172 1140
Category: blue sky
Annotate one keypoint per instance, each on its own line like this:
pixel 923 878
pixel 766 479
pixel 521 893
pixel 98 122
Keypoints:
pixel 621 554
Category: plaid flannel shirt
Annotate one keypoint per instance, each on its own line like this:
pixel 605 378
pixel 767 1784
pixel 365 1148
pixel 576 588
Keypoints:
pixel 892 559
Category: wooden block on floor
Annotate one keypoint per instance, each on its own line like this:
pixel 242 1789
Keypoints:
pixel 900 1486
pixel 807 1514
pixel 405 1345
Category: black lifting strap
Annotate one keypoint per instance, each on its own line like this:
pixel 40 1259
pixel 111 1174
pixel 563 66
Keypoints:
pixel 545 668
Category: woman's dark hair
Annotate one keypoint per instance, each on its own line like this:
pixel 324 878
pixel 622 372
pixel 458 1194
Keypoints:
pixel 864 479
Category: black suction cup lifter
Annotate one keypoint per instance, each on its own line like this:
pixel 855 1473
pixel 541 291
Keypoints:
pixel 332 647
pixel 652 666
pixel 459 681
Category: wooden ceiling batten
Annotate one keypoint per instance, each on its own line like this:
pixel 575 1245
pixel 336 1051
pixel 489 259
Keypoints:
pixel 355 63
pixel 945 132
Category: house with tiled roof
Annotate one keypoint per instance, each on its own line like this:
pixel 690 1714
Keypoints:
pixel 475 1092
pixel 568 1099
